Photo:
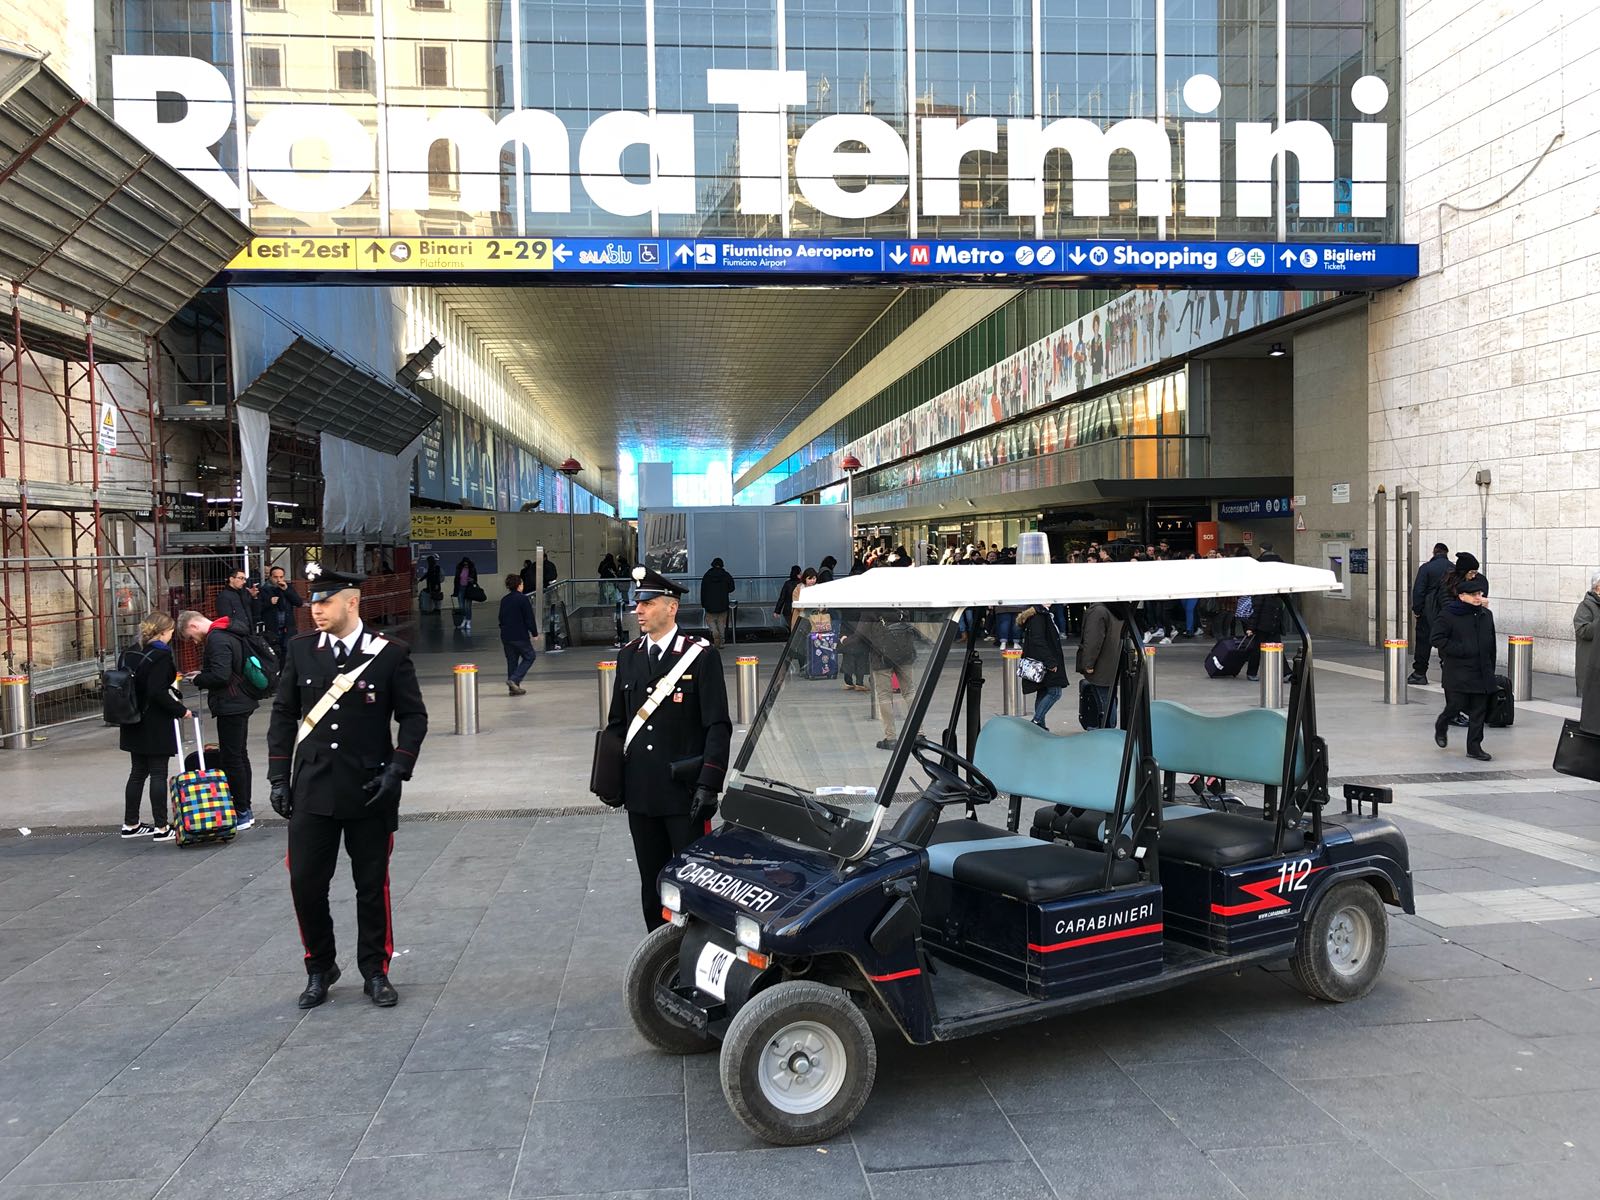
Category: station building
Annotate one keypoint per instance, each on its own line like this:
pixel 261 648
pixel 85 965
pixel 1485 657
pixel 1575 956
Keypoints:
pixel 355 357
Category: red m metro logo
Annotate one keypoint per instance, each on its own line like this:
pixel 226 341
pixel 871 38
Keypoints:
pixel 919 256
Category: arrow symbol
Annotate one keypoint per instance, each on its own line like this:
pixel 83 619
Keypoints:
pixel 897 256
pixel 561 252
pixel 683 254
pixel 1287 258
pixel 1076 256
pixel 375 250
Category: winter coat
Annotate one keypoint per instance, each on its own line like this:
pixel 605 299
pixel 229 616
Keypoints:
pixel 516 618
pixel 1464 636
pixel 1100 650
pixel 1429 576
pixel 1040 640
pixel 1443 594
pixel 716 585
pixel 1585 624
pixel 222 658
pixel 530 579
pixel 472 577
pixel 784 608
pixel 1266 622
pixel 155 682
pixel 279 616
pixel 237 605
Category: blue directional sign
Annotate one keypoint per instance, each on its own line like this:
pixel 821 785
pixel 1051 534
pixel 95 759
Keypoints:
pixel 863 260
pixel 1254 510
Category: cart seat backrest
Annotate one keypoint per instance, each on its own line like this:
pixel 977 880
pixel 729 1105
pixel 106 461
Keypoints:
pixel 1079 770
pixel 1246 745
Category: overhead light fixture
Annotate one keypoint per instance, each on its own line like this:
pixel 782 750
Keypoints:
pixel 1277 350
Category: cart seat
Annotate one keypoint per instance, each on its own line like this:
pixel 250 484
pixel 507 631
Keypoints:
pixel 1245 745
pixel 1216 839
pixel 1089 828
pixel 1022 867
pixel 1079 770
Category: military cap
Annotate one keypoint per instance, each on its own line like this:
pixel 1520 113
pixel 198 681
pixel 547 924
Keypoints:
pixel 648 584
pixel 326 584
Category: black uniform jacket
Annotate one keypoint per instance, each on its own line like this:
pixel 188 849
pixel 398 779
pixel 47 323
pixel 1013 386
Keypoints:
pixel 691 728
pixel 1467 649
pixel 352 742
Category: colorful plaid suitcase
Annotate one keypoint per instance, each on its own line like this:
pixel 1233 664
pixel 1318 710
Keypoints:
pixel 202 809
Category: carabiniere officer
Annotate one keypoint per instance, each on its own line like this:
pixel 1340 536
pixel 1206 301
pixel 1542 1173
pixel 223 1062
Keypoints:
pixel 336 773
pixel 675 763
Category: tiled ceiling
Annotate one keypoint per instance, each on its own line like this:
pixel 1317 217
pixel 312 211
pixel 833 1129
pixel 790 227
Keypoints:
pixel 703 367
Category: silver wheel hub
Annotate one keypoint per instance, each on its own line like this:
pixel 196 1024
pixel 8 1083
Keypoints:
pixel 1349 941
pixel 802 1068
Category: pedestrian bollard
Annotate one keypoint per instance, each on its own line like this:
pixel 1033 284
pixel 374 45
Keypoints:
pixel 1150 669
pixel 467 698
pixel 16 712
pixel 1010 683
pixel 745 686
pixel 1395 668
pixel 606 673
pixel 1271 674
pixel 1519 661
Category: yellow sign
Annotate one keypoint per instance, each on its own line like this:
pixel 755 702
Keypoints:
pixel 434 526
pixel 394 254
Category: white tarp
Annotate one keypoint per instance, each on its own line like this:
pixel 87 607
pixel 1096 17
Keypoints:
pixel 366 495
pixel 254 429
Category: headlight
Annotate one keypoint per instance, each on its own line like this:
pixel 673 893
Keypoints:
pixel 671 897
pixel 748 931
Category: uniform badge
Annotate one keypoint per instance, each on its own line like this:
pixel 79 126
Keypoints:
pixel 677 697
pixel 372 697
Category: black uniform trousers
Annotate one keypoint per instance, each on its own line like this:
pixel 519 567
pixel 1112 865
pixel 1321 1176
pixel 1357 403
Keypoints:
pixel 655 841
pixel 1476 707
pixel 1424 643
pixel 313 855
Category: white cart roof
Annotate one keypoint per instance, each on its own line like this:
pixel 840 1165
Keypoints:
pixel 1064 583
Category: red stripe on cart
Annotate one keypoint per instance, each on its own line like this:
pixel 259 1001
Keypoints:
pixel 1099 937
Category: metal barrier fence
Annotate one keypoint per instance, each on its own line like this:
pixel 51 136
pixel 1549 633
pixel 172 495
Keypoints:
pixel 591 611
pixel 67 619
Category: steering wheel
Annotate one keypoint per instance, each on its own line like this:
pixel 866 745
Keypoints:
pixel 939 761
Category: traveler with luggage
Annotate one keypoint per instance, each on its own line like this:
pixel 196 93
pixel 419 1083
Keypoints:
pixel 336 769
pixel 1585 624
pixel 517 632
pixel 1099 657
pixel 1429 576
pixel 224 659
pixel 1464 635
pixel 1043 667
pixel 466 591
pixel 151 741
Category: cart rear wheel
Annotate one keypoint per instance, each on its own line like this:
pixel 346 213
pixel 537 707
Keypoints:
pixel 798 1063
pixel 656 962
pixel 1343 943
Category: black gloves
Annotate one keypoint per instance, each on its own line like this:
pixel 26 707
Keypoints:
pixel 282 804
pixel 705 806
pixel 384 788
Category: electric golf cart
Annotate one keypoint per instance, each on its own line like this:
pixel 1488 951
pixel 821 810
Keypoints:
pixel 838 887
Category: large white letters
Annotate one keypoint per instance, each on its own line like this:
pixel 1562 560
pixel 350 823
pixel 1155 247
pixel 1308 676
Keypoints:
pixel 670 140
pixel 136 81
pixel 819 161
pixel 1258 145
pixel 761 97
pixel 478 141
pixel 342 180
pixel 1090 149
pixel 944 145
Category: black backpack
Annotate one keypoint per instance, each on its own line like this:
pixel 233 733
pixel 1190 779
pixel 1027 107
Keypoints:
pixel 119 690
pixel 258 675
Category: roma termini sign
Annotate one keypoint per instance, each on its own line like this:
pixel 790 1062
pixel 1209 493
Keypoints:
pixel 827 162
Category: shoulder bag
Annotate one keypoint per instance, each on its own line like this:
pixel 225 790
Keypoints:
pixel 611 747
pixel 1577 752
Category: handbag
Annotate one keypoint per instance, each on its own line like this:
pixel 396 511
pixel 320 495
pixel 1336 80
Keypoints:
pixel 1577 752
pixel 476 594
pixel 1031 669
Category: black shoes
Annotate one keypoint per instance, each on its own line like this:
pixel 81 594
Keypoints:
pixel 1416 677
pixel 1441 740
pixel 317 985
pixel 381 992
pixel 886 744
pixel 1480 755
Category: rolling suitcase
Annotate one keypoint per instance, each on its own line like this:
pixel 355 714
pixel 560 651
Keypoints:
pixel 202 807
pixel 1502 707
pixel 1228 656
pixel 427 603
pixel 823 660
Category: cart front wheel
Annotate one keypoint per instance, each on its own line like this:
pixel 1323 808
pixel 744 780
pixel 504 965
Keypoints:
pixel 656 962
pixel 798 1063
pixel 1343 944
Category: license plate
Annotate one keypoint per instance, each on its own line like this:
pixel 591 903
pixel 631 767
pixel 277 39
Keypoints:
pixel 711 970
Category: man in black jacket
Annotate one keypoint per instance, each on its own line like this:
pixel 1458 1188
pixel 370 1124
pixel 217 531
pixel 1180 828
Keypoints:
pixel 235 603
pixel 677 754
pixel 221 677
pixel 277 604
pixel 517 631
pixel 1429 576
pixel 716 585
pixel 1464 635
pixel 336 772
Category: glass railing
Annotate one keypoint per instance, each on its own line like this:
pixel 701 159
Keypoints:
pixel 590 611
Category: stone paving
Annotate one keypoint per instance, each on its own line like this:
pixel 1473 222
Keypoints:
pixel 150 1045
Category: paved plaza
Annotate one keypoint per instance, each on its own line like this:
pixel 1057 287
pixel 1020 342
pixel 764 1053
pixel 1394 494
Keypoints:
pixel 150 1044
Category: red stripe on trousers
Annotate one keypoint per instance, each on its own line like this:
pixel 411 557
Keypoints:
pixel 388 913
pixel 303 945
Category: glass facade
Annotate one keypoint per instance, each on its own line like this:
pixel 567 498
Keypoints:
pixel 441 117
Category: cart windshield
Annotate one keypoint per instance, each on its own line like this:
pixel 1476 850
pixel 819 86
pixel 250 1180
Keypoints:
pixel 817 738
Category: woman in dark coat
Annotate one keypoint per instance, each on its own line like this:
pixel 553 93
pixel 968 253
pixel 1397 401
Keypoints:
pixel 1041 641
pixel 1585 624
pixel 466 579
pixel 152 741
pixel 1464 636
pixel 784 608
